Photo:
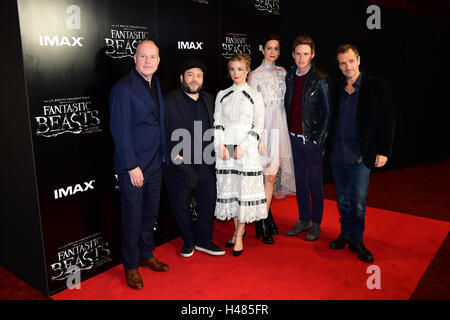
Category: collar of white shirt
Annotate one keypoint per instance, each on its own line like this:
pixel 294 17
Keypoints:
pixel 300 74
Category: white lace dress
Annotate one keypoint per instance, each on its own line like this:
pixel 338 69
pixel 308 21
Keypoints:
pixel 270 81
pixel 239 120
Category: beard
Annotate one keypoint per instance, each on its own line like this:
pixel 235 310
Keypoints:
pixel 187 89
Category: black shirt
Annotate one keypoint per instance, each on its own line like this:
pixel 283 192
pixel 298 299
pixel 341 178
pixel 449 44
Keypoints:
pixel 151 88
pixel 198 108
pixel 199 113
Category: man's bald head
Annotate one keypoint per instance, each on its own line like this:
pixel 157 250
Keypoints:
pixel 147 43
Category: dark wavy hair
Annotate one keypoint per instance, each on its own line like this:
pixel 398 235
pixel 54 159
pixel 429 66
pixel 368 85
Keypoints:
pixel 271 36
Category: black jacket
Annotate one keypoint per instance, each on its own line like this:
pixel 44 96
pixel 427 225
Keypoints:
pixel 179 116
pixel 316 103
pixel 374 118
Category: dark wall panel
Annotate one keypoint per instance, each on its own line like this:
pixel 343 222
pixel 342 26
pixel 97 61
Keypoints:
pixel 408 51
pixel 190 31
pixel 73 51
pixel 21 247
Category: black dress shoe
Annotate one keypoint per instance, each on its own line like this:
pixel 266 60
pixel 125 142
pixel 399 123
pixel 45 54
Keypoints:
pixel 340 242
pixel 363 253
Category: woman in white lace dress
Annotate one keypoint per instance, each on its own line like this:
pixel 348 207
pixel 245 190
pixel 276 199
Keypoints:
pixel 238 125
pixel 279 178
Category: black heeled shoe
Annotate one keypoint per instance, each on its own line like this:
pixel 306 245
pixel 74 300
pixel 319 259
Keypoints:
pixel 272 226
pixel 237 253
pixel 262 230
pixel 231 244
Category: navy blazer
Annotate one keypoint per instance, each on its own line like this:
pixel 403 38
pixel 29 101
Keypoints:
pixel 138 133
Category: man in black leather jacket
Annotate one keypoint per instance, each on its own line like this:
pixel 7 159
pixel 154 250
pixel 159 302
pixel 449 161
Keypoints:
pixel 307 101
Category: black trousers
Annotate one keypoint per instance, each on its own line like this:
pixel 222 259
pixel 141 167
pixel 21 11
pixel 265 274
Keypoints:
pixel 199 232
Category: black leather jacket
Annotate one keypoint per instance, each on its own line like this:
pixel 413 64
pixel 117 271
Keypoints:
pixel 316 103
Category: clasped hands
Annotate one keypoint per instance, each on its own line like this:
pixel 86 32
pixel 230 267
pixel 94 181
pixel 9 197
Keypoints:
pixel 224 154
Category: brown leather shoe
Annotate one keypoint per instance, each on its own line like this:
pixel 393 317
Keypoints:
pixel 134 279
pixel 154 264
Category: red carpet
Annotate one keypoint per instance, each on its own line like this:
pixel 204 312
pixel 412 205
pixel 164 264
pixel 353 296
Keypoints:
pixel 403 246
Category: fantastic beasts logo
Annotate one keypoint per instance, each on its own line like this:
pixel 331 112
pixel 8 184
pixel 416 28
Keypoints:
pixel 235 43
pixel 123 40
pixel 271 6
pixel 67 115
pixel 85 254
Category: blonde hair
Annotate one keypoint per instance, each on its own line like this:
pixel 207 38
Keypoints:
pixel 241 57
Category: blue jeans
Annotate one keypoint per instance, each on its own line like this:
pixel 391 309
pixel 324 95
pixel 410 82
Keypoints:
pixel 352 181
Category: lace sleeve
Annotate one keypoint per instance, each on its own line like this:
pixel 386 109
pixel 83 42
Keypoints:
pixel 254 135
pixel 253 80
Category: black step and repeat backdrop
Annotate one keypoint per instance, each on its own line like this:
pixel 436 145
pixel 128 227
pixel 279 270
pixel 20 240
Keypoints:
pixel 73 52
pixel 213 31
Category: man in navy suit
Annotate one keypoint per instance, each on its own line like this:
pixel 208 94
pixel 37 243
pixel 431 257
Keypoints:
pixel 137 127
pixel 190 169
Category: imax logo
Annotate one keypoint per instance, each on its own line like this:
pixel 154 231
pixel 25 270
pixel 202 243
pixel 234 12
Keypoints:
pixel 71 190
pixel 56 41
pixel 183 45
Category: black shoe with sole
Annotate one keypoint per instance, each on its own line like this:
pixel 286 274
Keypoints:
pixel 187 250
pixel 211 248
pixel 363 253
pixel 340 242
